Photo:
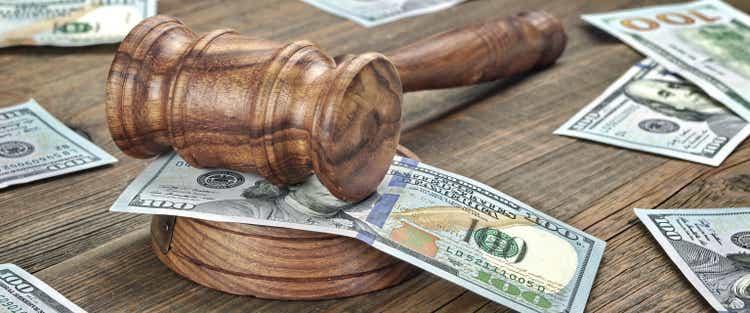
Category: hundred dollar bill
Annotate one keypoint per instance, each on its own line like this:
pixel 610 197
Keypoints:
pixel 451 226
pixel 34 145
pixel 654 110
pixel 703 41
pixel 70 23
pixel 20 292
pixel 711 247
pixel 373 13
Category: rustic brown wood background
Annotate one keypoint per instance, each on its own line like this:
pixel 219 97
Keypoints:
pixel 60 230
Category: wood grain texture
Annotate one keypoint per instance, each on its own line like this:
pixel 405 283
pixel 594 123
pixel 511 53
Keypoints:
pixel 481 52
pixel 279 263
pixel 59 228
pixel 253 105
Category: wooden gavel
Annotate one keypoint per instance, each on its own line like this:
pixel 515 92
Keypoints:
pixel 286 111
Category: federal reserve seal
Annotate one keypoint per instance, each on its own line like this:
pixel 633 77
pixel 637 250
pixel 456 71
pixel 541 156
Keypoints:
pixel 659 126
pixel 742 239
pixel 221 180
pixel 496 243
pixel 15 149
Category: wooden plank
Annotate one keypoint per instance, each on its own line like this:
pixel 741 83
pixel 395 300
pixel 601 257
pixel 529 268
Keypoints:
pixel 659 188
pixel 640 277
pixel 125 276
pixel 466 302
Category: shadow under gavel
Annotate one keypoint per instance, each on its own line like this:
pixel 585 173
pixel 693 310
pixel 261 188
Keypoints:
pixel 287 111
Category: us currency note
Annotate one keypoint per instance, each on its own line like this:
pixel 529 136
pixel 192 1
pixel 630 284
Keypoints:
pixel 70 23
pixel 703 41
pixel 373 13
pixel 449 225
pixel 711 247
pixel 654 110
pixel 34 145
pixel 21 292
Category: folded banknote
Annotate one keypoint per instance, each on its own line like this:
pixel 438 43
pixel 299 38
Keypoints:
pixel 449 225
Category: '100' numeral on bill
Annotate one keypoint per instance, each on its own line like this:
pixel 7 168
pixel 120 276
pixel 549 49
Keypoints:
pixel 703 41
pixel 20 292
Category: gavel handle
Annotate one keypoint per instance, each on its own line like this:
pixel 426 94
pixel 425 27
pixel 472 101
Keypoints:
pixel 483 52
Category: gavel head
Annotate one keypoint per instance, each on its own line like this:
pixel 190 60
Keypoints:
pixel 282 111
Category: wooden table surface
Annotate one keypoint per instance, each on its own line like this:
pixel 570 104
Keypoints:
pixel 60 229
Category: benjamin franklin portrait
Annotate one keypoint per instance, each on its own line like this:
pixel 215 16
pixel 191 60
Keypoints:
pixel 727 279
pixel 686 102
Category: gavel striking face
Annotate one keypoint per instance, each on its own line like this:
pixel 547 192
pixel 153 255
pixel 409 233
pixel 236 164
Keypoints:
pixel 287 111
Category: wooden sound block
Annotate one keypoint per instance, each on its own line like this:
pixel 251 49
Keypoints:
pixel 277 263
pixel 272 262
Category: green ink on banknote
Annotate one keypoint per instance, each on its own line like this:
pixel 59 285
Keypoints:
pixel 74 28
pixel 512 290
pixel 496 243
